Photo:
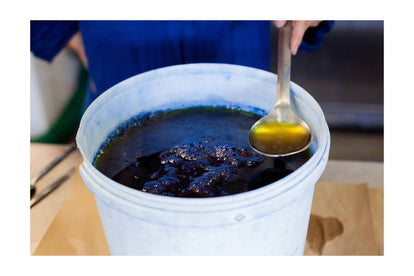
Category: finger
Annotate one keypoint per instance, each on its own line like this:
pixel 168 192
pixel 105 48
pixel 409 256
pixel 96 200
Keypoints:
pixel 298 31
pixel 314 23
pixel 279 23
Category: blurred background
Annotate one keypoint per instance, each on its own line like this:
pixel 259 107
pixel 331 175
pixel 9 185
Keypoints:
pixel 345 76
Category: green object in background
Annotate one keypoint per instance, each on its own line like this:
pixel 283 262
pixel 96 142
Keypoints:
pixel 67 123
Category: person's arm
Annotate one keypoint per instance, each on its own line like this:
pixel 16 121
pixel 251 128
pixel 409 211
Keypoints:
pixel 48 38
pixel 307 35
pixel 76 44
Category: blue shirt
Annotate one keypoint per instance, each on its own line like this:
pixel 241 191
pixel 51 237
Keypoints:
pixel 117 50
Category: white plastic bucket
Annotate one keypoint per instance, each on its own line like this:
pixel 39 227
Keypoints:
pixel 272 220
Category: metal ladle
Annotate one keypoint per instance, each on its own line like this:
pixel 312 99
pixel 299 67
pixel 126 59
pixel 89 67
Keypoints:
pixel 281 132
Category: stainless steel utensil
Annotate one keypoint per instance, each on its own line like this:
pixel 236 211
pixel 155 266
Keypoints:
pixel 281 132
pixel 47 169
pixel 44 193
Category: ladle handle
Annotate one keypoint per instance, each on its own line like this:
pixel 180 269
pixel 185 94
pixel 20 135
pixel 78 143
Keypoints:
pixel 283 65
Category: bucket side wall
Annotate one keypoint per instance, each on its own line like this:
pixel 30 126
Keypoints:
pixel 279 233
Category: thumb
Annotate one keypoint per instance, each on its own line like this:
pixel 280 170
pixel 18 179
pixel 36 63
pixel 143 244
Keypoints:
pixel 279 23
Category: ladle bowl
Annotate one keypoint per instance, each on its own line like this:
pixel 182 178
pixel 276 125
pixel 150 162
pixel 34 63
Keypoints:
pixel 280 133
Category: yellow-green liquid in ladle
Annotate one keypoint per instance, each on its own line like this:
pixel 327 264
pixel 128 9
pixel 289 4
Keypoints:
pixel 277 138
